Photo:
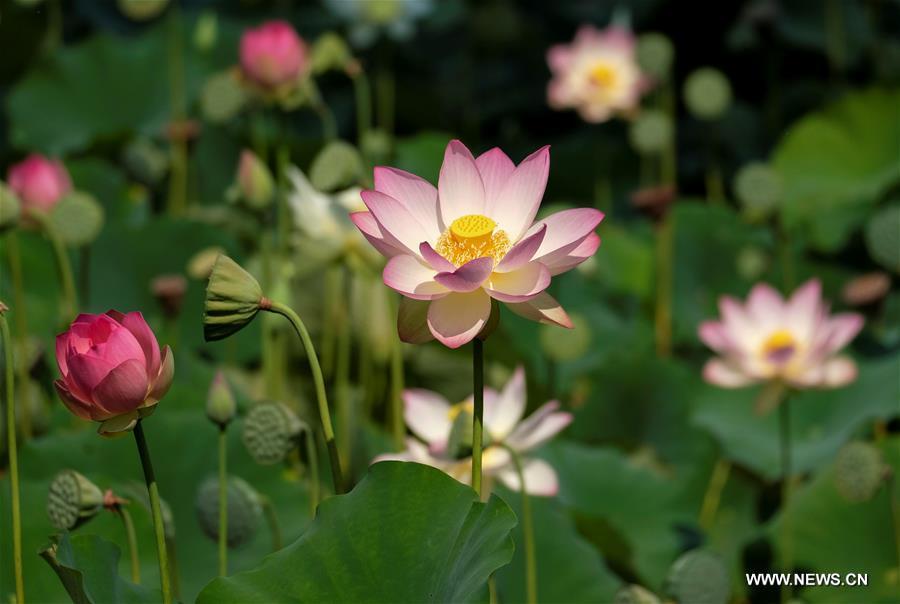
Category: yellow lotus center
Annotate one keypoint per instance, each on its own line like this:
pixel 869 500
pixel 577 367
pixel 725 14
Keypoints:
pixel 603 75
pixel 458 408
pixel 779 346
pixel 470 237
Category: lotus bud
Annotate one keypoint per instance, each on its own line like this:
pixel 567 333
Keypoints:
pixel 206 31
pixel 459 443
pixel 654 55
pixel 271 431
pixel 651 132
pixel 882 235
pixel 758 189
pixel 169 292
pixel 329 52
pixel 10 208
pixel 244 510
pixel 859 471
pixel 566 344
pixel 698 576
pixel 635 594
pixel 220 404
pixel 707 93
pixel 254 181
pixel 72 500
pixel 233 298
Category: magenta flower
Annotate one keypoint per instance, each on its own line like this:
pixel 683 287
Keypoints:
pixel 454 248
pixel 273 55
pixel 39 182
pixel 597 74
pixel 112 369
pixel 769 338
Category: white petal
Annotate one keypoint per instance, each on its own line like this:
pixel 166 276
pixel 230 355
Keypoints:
pixel 460 190
pixel 427 415
pixel 503 413
pixel 540 478
pixel 539 427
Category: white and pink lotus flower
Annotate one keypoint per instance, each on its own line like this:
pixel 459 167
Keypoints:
pixel 794 341
pixel 431 418
pixel 597 74
pixel 453 249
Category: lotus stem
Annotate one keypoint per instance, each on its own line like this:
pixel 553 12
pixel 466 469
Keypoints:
pixel 131 538
pixel 20 322
pixel 158 527
pixel 663 315
pixel 784 418
pixel 527 530
pixel 64 265
pixel 13 460
pixel 223 502
pixel 398 426
pixel 312 460
pixel 272 519
pixel 283 215
pixel 713 496
pixel 478 411
pixel 342 385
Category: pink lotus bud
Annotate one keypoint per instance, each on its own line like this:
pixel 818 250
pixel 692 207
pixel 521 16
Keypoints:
pixel 254 180
pixel 39 182
pixel 273 54
pixel 112 369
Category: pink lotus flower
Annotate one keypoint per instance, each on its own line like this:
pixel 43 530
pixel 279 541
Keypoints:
pixel 112 369
pixel 39 182
pixel 273 55
pixel 769 338
pixel 431 418
pixel 454 248
pixel 597 74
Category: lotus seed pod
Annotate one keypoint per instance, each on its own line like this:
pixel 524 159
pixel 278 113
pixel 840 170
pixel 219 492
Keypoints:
pixel 233 297
pixel 707 93
pixel 758 189
pixel 220 404
pixel 654 55
pixel 651 132
pixel 10 208
pixel 566 344
pixel 142 10
pixel 698 577
pixel 78 219
pixel 329 52
pixel 459 443
pixel 635 594
pixel 751 262
pixel 222 97
pixel 883 238
pixel 859 470
pixel 72 500
pixel 244 510
pixel 271 431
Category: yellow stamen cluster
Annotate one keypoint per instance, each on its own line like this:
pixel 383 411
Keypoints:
pixel 470 237
pixel 603 75
pixel 458 408
pixel 778 344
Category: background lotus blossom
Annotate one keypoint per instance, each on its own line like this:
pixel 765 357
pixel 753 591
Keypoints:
pixel 431 418
pixel 770 338
pixel 272 54
pixel 39 182
pixel 473 239
pixel 112 369
pixel 597 74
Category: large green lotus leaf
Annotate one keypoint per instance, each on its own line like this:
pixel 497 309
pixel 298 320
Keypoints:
pixel 831 535
pixel 406 533
pixel 569 569
pixel 821 421
pixel 88 566
pixel 836 163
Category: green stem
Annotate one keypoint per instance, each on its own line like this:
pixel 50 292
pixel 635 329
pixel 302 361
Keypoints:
pixel 319 382
pixel 333 285
pixel 173 568
pixel 223 502
pixel 398 427
pixel 312 459
pixel 84 275
pixel 159 528
pixel 784 417
pixel 131 537
pixel 478 411
pixel 13 460
pixel 663 314
pixel 527 530
pixel 283 216
pixel 713 495
pixel 329 124
pixel 20 323
pixel 63 264
pixel 272 520
pixel 342 383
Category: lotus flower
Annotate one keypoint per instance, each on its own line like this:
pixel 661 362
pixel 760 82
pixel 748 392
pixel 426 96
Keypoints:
pixel 472 239
pixel 432 419
pixel 597 74
pixel 39 182
pixel 794 341
pixel 273 55
pixel 112 369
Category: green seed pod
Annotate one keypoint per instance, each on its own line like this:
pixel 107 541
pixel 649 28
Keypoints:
pixel 758 189
pixel 707 93
pixel 635 594
pixel 222 97
pixel 337 165
pixel 233 297
pixel 654 55
pixel 10 209
pixel 72 500
pixel 244 510
pixel 271 431
pixel 651 132
pixel 220 404
pixel 77 219
pixel 566 344
pixel 459 443
pixel 698 577
pixel 329 52
pixel 883 238
pixel 859 471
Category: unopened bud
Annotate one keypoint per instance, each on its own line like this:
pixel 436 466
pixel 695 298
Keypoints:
pixel 10 208
pixel 330 52
pixel 220 404
pixel 233 298
pixel 271 431
pixel 72 500
pixel 254 181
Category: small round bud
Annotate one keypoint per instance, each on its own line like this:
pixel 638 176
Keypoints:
pixel 233 298
pixel 654 55
pixel 244 510
pixel 859 471
pixel 699 577
pixel 329 52
pixel 72 500
pixel 255 181
pixel 651 132
pixel 882 237
pixel 220 404
pixel 566 344
pixel 77 219
pixel 10 208
pixel 635 594
pixel 271 431
pixel 758 189
pixel 169 292
pixel 707 93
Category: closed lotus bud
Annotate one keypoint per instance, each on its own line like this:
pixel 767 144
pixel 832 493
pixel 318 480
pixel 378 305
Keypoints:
pixel 698 576
pixel 254 181
pixel 169 291
pixel 271 431
pixel 72 500
pixel 39 182
pixel 220 404
pixel 10 209
pixel 273 55
pixel 707 93
pixel 233 298
pixel 329 52
pixel 859 471
pixel 244 510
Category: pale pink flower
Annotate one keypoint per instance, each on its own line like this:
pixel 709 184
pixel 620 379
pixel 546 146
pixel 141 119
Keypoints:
pixel 272 54
pixel 597 74
pixel 454 248
pixel 431 417
pixel 39 182
pixel 795 341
